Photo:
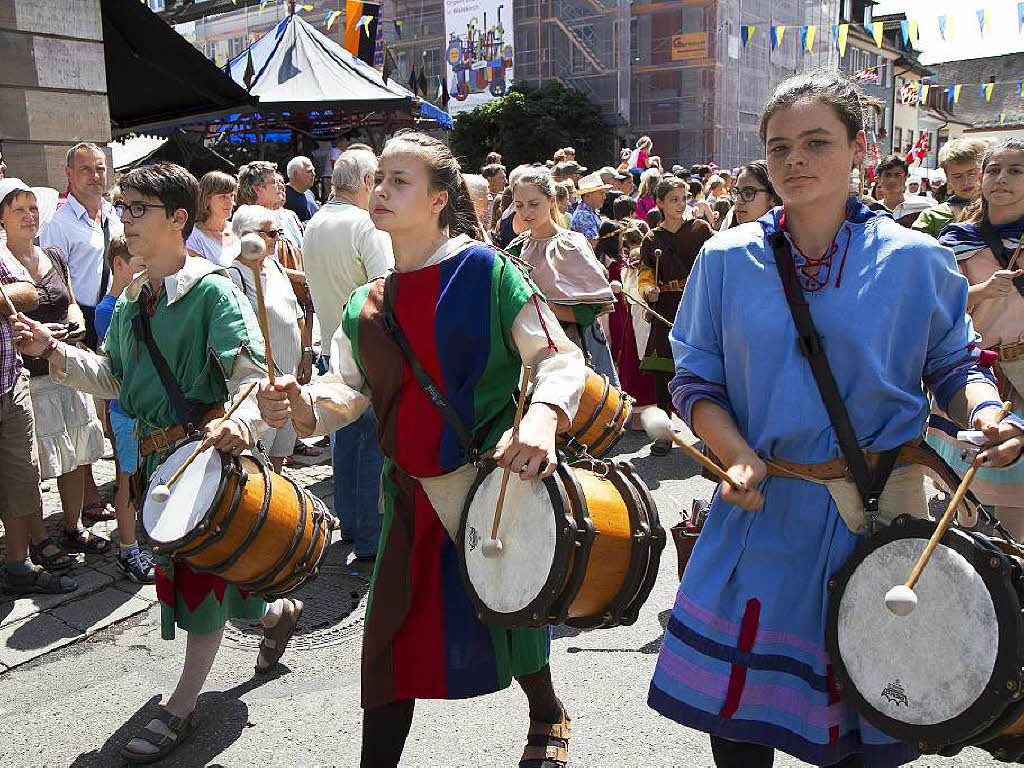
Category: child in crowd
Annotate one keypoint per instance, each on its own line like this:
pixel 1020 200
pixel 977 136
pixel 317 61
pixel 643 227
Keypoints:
pixel 135 562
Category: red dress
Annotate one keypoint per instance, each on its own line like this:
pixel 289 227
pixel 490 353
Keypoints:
pixel 640 386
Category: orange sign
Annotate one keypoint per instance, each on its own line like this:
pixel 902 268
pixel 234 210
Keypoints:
pixel 693 45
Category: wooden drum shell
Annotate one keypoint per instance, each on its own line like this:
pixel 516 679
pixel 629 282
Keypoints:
pixel 601 419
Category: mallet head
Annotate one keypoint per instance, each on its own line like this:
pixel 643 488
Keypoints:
pixel 491 547
pixel 161 494
pixel 901 600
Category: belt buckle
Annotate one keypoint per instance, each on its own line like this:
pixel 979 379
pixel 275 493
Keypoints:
pixel 161 439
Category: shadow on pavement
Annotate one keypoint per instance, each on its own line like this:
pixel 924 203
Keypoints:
pixel 651 647
pixel 222 718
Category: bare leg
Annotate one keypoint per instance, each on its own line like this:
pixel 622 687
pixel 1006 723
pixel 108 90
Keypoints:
pixel 125 510
pixel 72 495
pixel 200 652
pixel 16 530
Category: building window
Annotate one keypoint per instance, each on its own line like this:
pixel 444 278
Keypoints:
pixel 897 139
pixel 157 6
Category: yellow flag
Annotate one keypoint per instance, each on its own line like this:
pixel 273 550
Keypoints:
pixel 811 30
pixel 988 91
pixel 956 93
pixel 332 18
pixel 913 31
pixel 877 31
pixel 924 92
pixel 844 30
pixel 1002 118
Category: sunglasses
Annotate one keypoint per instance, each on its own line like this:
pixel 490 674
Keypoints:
pixel 747 194
pixel 273 234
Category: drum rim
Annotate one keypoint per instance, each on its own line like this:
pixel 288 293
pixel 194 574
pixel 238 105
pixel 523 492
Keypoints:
pixel 605 392
pixel 657 538
pixel 550 593
pixel 170 548
pixel 994 700
pixel 613 431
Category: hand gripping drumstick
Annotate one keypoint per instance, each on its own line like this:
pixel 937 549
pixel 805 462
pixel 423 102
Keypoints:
pixel 617 288
pixel 901 599
pixel 253 248
pixel 162 493
pixel 658 427
pixel 492 546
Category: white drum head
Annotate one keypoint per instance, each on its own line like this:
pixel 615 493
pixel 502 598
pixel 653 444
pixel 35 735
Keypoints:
pixel 932 665
pixel 514 578
pixel 192 494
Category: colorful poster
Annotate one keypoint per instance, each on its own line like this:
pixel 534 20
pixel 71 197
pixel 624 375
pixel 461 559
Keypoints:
pixel 691 45
pixel 478 52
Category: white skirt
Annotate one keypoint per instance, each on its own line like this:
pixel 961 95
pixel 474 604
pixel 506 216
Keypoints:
pixel 68 432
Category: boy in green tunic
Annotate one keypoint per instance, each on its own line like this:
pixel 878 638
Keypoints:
pixel 209 336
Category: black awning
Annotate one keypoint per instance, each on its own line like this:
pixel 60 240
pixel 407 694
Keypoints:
pixel 155 77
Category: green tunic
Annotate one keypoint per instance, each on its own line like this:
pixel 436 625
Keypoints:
pixel 200 334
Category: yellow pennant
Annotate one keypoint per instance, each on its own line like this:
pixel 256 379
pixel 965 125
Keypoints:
pixel 988 91
pixel 877 30
pixel 307 7
pixel 956 93
pixel 913 31
pixel 924 92
pixel 844 30
pixel 332 18
pixel 811 30
pixel 1002 118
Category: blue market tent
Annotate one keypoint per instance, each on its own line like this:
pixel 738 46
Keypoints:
pixel 302 75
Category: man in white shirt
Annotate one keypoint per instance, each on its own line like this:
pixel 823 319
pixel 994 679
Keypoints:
pixel 342 250
pixel 83 228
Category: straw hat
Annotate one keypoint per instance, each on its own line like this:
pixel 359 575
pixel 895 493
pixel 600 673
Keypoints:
pixel 592 183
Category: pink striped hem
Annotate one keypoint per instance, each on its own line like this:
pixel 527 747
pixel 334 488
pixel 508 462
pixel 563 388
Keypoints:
pixel 764 636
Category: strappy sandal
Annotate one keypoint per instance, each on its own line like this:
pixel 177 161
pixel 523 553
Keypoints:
pixel 301 449
pixel 547 745
pixel 98 512
pixel 180 727
pixel 86 541
pixel 275 638
pixel 59 561
pixel 38 582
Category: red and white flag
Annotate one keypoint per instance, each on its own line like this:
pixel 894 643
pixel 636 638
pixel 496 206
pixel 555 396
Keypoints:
pixel 917 154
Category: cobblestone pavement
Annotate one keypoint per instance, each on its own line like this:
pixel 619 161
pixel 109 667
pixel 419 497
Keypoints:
pixel 82 673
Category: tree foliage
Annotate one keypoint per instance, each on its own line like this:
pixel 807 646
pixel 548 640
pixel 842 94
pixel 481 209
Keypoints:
pixel 528 124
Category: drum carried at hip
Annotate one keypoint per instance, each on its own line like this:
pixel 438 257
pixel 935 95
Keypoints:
pixel 950 673
pixel 235 518
pixel 581 547
pixel 601 419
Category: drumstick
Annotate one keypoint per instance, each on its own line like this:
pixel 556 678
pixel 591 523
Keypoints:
pixel 492 547
pixel 657 425
pixel 901 599
pixel 7 300
pixel 617 288
pixel 1011 265
pixel 253 248
pixel 162 493
pixel 657 267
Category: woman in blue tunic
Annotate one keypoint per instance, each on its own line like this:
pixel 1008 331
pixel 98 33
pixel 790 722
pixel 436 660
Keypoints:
pixel 744 657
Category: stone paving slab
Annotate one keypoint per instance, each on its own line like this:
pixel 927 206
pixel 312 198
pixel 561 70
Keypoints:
pixel 33 637
pixel 89 581
pixel 100 610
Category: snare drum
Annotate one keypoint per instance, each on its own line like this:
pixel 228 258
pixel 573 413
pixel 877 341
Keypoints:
pixel 234 517
pixel 948 675
pixel 601 419
pixel 581 547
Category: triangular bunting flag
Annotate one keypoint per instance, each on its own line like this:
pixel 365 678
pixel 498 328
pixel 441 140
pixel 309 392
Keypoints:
pixel 745 31
pixel 1002 118
pixel 924 92
pixel 250 72
pixel 912 24
pixel 364 24
pixel 1020 88
pixel 878 32
pixel 982 14
pixel 423 80
pixel 956 93
pixel 844 31
pixel 803 38
pixel 812 30
pixel 905 31
pixel 389 64
pixel 943 20
pixel 987 89
pixel 333 17
pixel 398 28
pixel 413 82
pixel 1020 17
pixel 777 33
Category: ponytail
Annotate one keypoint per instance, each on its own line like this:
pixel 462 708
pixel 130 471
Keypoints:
pixel 459 215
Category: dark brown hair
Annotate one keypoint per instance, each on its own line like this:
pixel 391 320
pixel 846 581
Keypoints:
pixel 977 211
pixel 171 184
pixel 829 86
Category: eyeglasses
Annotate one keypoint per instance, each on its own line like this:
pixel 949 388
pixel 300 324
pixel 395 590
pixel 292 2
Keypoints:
pixel 136 210
pixel 747 194
pixel 273 234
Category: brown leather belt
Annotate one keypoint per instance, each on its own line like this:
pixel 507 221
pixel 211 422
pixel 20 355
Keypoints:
pixel 163 439
pixel 672 286
pixel 835 469
pixel 1008 352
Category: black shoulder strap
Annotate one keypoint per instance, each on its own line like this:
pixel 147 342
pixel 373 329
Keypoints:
pixel 105 276
pixel 469 444
pixel 188 414
pixel 869 487
pixel 995 244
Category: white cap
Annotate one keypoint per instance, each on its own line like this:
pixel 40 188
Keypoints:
pixel 9 185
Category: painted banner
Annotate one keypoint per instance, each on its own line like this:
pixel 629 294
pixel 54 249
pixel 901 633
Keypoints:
pixel 478 51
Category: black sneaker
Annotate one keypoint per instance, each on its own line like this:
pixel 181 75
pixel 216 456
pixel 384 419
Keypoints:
pixel 137 564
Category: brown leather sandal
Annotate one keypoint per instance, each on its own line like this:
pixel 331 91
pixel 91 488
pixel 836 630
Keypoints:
pixel 547 744
pixel 180 727
pixel 275 639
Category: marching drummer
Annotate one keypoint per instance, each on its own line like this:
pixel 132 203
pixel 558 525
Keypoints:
pixel 207 335
pixel 470 319
pixel 749 619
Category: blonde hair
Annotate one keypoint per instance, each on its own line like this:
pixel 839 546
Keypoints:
pixel 962 151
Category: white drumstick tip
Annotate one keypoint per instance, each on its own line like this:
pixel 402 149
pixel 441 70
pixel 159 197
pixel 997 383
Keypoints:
pixel 252 246
pixel 656 424
pixel 901 600
pixel 491 547
pixel 161 494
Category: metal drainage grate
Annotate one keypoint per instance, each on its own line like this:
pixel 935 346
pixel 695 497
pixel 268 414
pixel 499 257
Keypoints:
pixel 333 613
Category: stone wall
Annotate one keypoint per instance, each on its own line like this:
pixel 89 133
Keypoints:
pixel 53 85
